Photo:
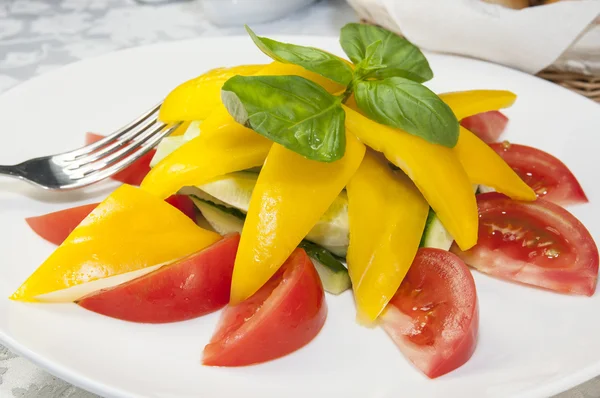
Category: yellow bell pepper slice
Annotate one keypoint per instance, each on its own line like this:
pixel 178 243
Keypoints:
pixel 180 130
pixel 290 196
pixel 434 169
pixel 387 215
pixel 281 69
pixel 130 230
pixel 224 146
pixel 472 102
pixel 482 164
pixel 195 99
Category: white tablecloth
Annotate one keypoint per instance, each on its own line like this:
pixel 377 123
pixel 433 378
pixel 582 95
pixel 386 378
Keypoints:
pixel 39 35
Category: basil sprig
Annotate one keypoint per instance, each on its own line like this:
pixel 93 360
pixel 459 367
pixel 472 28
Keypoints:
pixel 408 105
pixel 396 56
pixel 310 58
pixel 290 110
pixel 303 117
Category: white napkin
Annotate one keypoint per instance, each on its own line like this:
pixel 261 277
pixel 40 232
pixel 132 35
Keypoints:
pixel 530 39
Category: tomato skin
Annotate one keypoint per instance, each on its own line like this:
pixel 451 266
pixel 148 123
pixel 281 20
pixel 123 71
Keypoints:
pixel 55 227
pixel 292 312
pixel 546 175
pixel 184 204
pixel 535 243
pixel 434 317
pixel 488 126
pixel 135 172
pixel 191 287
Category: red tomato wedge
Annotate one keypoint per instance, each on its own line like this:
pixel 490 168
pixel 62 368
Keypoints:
pixel 191 287
pixel 434 318
pixel 545 174
pixel 283 316
pixel 134 173
pixel 488 126
pixel 184 204
pixel 55 227
pixel 536 243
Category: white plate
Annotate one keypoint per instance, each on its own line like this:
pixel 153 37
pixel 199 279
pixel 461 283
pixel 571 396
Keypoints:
pixel 532 343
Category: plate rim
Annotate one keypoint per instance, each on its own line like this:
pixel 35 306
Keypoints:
pixel 80 379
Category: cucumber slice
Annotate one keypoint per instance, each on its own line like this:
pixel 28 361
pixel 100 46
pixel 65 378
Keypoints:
pixel 195 193
pixel 331 231
pixel 332 272
pixel 435 235
pixel 225 220
pixel 169 144
pixel 484 189
pixel 222 221
pixel 234 190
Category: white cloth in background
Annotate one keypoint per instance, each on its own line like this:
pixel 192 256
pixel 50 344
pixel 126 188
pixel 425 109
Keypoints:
pixel 530 39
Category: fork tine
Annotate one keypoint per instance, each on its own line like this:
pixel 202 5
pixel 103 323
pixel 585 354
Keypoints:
pixel 127 150
pixel 114 136
pixel 118 164
pixel 109 149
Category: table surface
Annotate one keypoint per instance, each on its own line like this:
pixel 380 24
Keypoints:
pixel 39 35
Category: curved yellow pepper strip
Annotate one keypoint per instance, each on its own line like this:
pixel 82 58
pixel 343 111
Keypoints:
pixel 181 129
pixel 195 99
pixel 290 196
pixel 128 231
pixel 482 164
pixel 281 69
pixel 387 215
pixel 472 102
pixel 434 169
pixel 224 146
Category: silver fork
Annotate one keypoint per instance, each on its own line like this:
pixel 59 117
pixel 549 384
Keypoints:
pixel 97 161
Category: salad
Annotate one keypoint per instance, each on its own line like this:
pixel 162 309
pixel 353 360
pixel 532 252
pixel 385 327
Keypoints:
pixel 288 183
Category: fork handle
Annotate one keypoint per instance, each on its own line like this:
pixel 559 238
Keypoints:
pixel 10 171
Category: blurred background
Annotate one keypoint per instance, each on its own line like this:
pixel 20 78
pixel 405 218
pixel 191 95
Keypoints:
pixel 39 35
pixel 558 40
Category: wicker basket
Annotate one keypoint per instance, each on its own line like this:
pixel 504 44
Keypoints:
pixel 373 12
pixel 588 86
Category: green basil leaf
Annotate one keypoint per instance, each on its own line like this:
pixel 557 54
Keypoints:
pixel 373 56
pixel 373 61
pixel 310 58
pixel 290 110
pixel 399 56
pixel 408 105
